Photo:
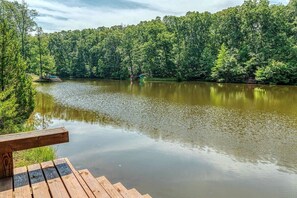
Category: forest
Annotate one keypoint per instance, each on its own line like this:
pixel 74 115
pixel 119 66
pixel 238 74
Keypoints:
pixel 256 42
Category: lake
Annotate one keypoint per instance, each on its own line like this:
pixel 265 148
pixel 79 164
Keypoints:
pixel 178 140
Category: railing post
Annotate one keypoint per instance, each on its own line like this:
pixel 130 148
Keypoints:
pixel 6 165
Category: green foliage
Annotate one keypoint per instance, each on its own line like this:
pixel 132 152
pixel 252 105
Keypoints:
pixel 24 18
pixel 274 73
pixel 39 55
pixel 185 48
pixel 16 91
pixel 226 67
pixel 8 107
pixel 16 94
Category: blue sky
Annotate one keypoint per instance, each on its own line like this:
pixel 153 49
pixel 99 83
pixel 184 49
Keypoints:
pixel 55 15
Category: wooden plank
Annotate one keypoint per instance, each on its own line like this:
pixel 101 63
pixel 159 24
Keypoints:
pixel 109 188
pixel 33 139
pixel 93 184
pixel 80 180
pixel 21 183
pixel 134 193
pixel 122 190
pixel 72 185
pixel 6 164
pixel 6 190
pixel 147 196
pixel 55 184
pixel 37 180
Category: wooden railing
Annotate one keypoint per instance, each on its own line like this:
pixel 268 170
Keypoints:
pixel 27 140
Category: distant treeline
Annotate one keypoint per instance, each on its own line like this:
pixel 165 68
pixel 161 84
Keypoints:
pixel 253 41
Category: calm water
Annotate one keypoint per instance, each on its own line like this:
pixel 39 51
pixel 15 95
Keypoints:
pixel 179 140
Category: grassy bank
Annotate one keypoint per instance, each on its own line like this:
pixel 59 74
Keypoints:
pixel 160 79
pixel 34 77
pixel 33 156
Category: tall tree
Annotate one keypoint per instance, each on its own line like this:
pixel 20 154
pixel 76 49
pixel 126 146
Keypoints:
pixel 226 67
pixel 16 88
pixel 25 24
pixel 39 35
pixel 39 59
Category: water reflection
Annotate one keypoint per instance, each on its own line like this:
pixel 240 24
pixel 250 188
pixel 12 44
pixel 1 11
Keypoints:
pixel 252 123
pixel 240 131
pixel 247 97
pixel 48 109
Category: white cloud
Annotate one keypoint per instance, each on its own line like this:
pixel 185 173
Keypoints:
pixel 190 5
pixel 56 16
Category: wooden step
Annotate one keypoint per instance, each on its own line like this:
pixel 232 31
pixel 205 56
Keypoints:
pixel 122 190
pixel 134 193
pixel 21 183
pixel 109 188
pixel 70 182
pixel 54 181
pixel 6 189
pixel 37 180
pixel 80 179
pixel 93 184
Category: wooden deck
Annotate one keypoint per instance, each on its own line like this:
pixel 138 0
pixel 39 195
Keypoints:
pixel 58 178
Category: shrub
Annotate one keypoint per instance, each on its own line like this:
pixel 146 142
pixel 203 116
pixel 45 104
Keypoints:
pixel 274 73
pixel 226 67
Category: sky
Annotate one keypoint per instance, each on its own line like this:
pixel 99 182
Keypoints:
pixel 55 15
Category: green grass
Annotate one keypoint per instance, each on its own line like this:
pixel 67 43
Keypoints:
pixel 160 79
pixel 33 156
pixel 34 77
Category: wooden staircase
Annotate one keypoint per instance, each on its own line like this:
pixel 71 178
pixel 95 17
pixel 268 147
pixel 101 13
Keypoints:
pixel 59 179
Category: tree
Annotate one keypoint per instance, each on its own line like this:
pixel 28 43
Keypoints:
pixel 16 88
pixel 25 24
pixel 226 67
pixel 8 111
pixel 39 35
pixel 40 60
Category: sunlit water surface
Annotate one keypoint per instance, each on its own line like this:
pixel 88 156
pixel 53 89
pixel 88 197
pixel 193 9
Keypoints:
pixel 179 140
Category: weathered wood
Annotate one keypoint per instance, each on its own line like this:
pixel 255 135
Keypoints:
pixel 33 139
pixel 55 184
pixel 109 188
pixel 27 140
pixel 93 184
pixel 37 180
pixel 59 179
pixel 122 190
pixel 6 189
pixel 21 183
pixel 6 164
pixel 72 185
pixel 134 193
pixel 80 180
